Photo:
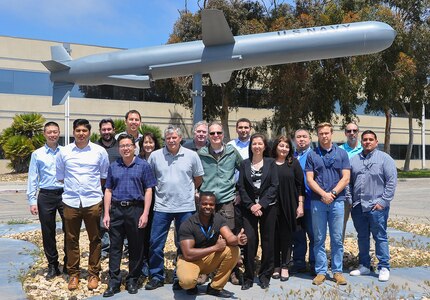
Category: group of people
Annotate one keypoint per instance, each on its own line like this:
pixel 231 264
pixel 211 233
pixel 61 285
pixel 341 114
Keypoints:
pixel 224 199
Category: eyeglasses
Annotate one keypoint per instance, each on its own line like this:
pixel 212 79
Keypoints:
pixel 215 132
pixel 126 146
pixel 351 130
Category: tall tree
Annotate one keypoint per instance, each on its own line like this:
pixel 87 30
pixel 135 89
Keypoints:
pixel 243 17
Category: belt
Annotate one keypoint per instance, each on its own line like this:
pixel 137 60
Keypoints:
pixel 54 192
pixel 127 203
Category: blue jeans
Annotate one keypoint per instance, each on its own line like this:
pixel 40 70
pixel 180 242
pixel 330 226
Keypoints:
pixel 159 231
pixel 375 222
pixel 301 244
pixel 333 215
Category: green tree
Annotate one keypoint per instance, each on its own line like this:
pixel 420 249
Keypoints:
pixel 20 139
pixel 243 17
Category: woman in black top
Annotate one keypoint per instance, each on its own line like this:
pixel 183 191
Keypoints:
pixel 258 186
pixel 290 201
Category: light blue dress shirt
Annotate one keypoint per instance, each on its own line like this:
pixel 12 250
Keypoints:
pixel 81 170
pixel 373 180
pixel 41 173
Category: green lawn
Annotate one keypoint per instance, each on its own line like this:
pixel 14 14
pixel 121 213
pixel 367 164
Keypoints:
pixel 414 174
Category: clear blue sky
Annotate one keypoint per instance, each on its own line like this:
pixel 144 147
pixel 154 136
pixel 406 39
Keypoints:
pixel 115 23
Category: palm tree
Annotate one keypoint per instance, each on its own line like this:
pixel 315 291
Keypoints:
pixel 20 140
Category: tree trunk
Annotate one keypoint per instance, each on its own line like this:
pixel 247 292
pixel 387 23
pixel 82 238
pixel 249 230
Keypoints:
pixel 406 165
pixel 387 140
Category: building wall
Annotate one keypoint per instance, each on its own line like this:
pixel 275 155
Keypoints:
pixel 27 54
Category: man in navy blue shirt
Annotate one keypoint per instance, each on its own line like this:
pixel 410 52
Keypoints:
pixel 127 201
pixel 327 173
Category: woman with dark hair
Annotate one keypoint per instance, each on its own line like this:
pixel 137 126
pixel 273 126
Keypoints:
pixel 258 187
pixel 290 201
pixel 147 144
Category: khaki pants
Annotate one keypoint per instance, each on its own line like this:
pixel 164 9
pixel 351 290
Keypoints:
pixel 73 220
pixel 223 262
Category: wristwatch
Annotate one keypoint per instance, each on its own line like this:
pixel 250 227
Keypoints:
pixel 334 193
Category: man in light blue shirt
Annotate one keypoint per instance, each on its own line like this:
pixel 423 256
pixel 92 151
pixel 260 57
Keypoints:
pixel 352 147
pixel 82 166
pixel 41 177
pixel 372 186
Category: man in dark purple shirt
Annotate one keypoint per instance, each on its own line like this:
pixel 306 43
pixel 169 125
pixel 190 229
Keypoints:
pixel 127 201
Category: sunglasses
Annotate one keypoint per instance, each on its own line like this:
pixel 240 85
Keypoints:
pixel 215 132
pixel 351 131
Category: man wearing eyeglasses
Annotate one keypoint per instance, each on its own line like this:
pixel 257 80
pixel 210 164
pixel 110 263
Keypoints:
pixel 127 201
pixel 372 186
pixel 352 147
pixel 327 173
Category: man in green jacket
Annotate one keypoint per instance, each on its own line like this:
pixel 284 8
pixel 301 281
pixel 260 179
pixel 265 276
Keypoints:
pixel 219 163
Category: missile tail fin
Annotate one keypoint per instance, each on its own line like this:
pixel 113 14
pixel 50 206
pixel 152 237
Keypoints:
pixel 55 66
pixel 215 29
pixel 61 91
pixel 59 53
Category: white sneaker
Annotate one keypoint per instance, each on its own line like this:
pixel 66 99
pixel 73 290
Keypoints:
pixel 384 274
pixel 362 270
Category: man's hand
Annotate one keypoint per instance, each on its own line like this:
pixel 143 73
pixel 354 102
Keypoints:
pixel 33 210
pixel 242 239
pixel 378 207
pixel 220 244
pixel 106 221
pixel 328 198
pixel 237 199
pixel 143 221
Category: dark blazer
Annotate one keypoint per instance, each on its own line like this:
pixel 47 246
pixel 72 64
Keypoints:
pixel 269 183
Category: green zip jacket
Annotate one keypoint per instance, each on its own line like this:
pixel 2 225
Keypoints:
pixel 219 174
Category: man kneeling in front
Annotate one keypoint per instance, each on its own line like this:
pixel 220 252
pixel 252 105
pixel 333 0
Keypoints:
pixel 207 245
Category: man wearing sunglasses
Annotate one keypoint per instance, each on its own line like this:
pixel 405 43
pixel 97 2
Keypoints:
pixel 352 147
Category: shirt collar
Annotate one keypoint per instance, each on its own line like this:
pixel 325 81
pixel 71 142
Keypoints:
pixel 48 149
pixel 242 144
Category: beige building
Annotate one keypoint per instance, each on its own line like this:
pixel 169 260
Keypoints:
pixel 25 87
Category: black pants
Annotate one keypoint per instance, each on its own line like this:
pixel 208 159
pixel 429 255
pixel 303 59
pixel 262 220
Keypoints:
pixel 267 235
pixel 48 203
pixel 283 242
pixel 147 232
pixel 124 223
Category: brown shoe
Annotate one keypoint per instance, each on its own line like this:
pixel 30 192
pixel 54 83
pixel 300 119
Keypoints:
pixel 73 283
pixel 319 279
pixel 93 282
pixel 339 279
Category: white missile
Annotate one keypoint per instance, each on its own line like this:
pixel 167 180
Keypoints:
pixel 218 54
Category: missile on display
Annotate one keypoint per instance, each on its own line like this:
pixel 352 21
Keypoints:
pixel 218 54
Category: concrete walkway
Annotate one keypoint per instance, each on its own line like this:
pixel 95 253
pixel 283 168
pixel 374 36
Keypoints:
pixel 16 258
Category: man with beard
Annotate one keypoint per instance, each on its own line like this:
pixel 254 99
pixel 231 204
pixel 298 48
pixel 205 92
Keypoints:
pixel 107 140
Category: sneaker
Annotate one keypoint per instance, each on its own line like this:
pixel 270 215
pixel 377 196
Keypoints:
pixel 153 284
pixel 362 270
pixel 384 274
pixel 319 279
pixel 339 279
pixel 218 293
